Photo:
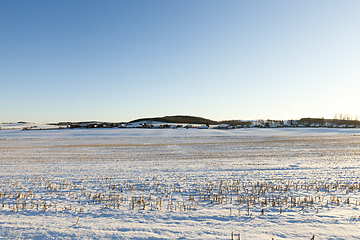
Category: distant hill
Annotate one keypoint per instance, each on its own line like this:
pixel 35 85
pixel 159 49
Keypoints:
pixel 178 119
pixel 342 122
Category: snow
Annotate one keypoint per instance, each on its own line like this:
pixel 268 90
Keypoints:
pixel 182 132
pixel 70 180
pixel 20 126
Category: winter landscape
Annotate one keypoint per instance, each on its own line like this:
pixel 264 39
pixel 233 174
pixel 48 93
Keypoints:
pixel 283 183
pixel 183 119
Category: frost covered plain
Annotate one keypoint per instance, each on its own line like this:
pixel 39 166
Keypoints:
pixel 180 184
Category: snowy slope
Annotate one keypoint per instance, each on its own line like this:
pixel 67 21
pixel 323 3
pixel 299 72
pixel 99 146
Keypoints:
pixel 108 183
pixel 116 132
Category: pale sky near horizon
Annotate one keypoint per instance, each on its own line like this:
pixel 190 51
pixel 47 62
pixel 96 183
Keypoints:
pixel 121 60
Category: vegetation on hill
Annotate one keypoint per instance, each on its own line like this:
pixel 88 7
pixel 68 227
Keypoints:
pixel 178 119
pixel 322 121
pixel 236 122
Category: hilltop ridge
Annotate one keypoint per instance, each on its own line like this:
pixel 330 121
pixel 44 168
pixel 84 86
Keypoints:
pixel 178 119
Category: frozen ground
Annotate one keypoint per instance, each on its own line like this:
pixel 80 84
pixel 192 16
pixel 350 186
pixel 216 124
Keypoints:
pixel 180 184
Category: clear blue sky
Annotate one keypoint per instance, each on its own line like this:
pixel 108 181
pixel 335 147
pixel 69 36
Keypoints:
pixel 121 60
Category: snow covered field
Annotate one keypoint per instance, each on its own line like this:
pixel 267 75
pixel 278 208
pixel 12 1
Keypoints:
pixel 180 184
